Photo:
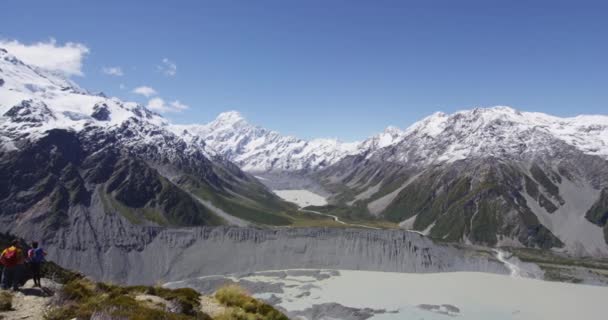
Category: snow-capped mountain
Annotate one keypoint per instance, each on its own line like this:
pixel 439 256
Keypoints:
pixel 494 176
pixel 499 131
pixel 256 149
pixel 491 176
pixel 439 138
pixel 65 152
pixel 33 101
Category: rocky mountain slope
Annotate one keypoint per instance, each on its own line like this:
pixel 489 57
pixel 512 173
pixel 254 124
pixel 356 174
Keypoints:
pixel 492 176
pixel 65 152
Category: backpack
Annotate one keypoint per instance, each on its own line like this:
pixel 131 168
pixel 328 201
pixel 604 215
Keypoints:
pixel 36 255
pixel 10 258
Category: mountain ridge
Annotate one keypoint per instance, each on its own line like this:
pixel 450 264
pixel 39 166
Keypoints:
pixel 543 176
pixel 491 176
pixel 587 132
pixel 257 149
pixel 65 152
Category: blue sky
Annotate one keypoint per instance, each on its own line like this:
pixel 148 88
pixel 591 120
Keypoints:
pixel 333 68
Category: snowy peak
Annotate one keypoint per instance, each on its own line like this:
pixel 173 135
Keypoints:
pixel 34 101
pixel 390 136
pixel 257 149
pixel 502 132
pixel 392 130
pixel 19 76
pixel 225 121
pixel 229 117
pixel 431 125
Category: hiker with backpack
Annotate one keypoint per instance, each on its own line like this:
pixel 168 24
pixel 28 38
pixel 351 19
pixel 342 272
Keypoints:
pixel 12 258
pixel 35 257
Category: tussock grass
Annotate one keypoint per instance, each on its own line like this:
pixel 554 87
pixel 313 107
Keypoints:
pixel 244 307
pixel 82 298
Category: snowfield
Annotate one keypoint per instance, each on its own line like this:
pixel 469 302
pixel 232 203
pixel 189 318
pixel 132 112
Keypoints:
pixel 302 198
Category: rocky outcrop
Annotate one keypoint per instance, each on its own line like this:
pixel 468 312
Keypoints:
pixel 101 112
pixel 30 111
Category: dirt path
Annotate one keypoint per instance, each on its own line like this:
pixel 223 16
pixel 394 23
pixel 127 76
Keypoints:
pixel 29 303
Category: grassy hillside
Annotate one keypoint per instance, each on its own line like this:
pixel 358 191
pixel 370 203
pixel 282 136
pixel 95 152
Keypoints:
pixel 84 299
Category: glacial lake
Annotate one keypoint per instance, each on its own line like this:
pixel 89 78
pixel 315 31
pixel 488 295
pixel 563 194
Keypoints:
pixel 358 295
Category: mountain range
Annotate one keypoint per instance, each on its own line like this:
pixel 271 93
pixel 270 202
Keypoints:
pixel 492 176
pixel 66 152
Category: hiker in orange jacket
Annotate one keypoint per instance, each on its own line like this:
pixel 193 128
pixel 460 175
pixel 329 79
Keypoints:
pixel 12 258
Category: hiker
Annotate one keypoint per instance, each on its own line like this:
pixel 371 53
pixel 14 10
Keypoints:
pixel 12 259
pixel 35 257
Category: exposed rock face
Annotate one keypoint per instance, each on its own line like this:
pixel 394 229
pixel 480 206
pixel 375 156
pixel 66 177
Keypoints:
pixel 108 247
pixel 536 200
pixel 29 111
pixel 598 213
pixel 101 112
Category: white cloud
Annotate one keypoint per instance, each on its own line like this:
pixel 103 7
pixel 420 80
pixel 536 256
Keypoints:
pixel 145 91
pixel 178 106
pixel 66 59
pixel 113 71
pixel 169 68
pixel 159 105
